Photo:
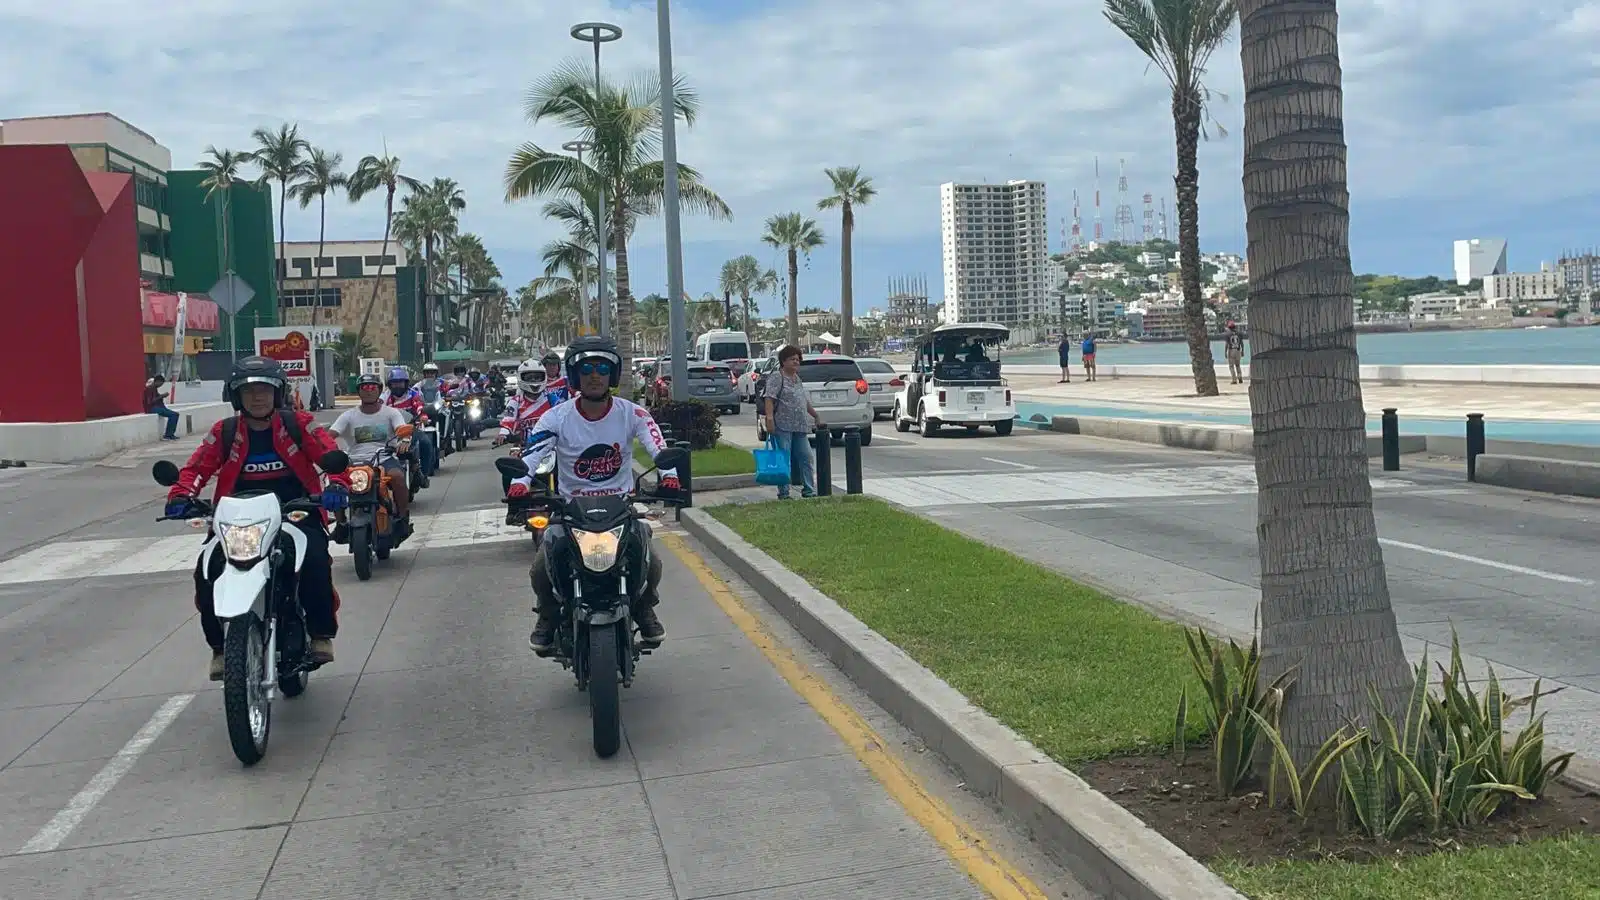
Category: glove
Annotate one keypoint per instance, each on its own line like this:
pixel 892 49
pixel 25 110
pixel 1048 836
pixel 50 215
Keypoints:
pixel 177 507
pixel 335 497
pixel 499 440
pixel 517 490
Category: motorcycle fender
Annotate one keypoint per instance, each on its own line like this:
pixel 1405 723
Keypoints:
pixel 600 618
pixel 298 538
pixel 238 591
pixel 359 516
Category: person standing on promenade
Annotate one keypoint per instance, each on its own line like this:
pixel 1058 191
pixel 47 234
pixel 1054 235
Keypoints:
pixel 1064 352
pixel 788 406
pixel 1088 355
pixel 1233 348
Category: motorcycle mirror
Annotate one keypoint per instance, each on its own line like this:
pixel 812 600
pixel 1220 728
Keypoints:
pixel 334 462
pixel 671 458
pixel 165 473
pixel 510 465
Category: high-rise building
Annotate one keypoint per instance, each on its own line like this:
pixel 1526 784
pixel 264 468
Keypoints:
pixel 1478 257
pixel 995 251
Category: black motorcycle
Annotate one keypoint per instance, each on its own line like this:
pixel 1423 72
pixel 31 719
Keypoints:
pixel 599 558
pixel 456 437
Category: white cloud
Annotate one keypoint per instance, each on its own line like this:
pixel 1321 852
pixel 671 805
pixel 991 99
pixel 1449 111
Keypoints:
pixel 1446 100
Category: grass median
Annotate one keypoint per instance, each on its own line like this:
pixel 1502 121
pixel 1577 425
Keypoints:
pixel 1085 677
pixel 723 459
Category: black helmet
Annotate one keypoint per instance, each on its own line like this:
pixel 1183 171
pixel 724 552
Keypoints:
pixel 459 369
pixel 593 346
pixel 367 379
pixel 550 356
pixel 258 370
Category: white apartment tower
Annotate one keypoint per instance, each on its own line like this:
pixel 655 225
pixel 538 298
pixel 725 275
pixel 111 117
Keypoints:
pixel 995 252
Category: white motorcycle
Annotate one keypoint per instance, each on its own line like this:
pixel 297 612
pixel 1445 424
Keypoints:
pixel 265 648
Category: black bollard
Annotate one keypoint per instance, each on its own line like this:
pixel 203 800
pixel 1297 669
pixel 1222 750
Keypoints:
pixel 852 461
pixel 1391 440
pixel 685 479
pixel 824 462
pixel 1475 443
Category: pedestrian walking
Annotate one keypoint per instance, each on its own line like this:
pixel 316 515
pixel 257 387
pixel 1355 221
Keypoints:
pixel 789 418
pixel 155 403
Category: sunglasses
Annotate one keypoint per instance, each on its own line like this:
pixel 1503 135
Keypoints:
pixel 595 368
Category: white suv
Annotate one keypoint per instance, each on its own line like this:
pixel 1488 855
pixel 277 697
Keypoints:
pixel 838 393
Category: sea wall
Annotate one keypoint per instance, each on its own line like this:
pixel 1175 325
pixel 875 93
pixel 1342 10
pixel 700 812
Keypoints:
pixel 1549 376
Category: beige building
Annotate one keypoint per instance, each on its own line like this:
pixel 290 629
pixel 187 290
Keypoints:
pixel 349 269
pixel 1523 287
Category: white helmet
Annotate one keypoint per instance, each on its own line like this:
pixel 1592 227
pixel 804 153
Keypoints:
pixel 530 377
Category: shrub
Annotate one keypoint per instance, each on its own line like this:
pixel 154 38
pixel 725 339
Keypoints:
pixel 689 420
pixel 1237 708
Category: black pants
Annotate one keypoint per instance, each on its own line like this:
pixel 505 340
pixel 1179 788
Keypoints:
pixel 317 595
pixel 544 592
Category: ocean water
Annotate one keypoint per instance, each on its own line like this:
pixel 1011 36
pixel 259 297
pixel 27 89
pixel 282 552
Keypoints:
pixel 1554 346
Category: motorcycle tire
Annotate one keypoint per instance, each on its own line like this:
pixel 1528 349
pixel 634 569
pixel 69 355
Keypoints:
pixel 293 685
pixel 241 672
pixel 605 688
pixel 361 549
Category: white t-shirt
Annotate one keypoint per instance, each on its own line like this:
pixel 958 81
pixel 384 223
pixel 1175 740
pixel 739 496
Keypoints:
pixel 594 456
pixel 367 433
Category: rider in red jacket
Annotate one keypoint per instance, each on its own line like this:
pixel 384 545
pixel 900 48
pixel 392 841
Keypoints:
pixel 265 456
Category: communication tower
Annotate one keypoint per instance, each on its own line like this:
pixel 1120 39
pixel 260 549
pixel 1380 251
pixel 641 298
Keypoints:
pixel 1149 218
pixel 1099 234
pixel 1124 220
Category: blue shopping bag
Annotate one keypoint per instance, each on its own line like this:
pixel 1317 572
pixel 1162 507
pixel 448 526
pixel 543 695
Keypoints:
pixel 772 463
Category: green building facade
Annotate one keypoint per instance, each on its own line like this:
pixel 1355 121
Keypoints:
pixel 196 247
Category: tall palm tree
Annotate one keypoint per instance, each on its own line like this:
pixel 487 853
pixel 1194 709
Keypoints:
pixel 744 276
pixel 796 234
pixel 280 155
pixel 624 123
pixel 1325 604
pixel 850 190
pixel 223 169
pixel 429 219
pixel 322 174
pixel 1179 37
pixel 374 173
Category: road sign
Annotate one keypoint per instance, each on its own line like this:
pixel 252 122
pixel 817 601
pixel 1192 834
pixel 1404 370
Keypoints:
pixel 231 293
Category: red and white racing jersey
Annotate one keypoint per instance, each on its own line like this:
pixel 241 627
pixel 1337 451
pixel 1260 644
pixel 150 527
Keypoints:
pixel 595 456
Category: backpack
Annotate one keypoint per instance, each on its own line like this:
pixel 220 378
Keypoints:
pixel 291 424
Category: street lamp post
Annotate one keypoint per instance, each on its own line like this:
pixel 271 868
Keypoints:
pixel 578 147
pixel 598 33
pixel 669 207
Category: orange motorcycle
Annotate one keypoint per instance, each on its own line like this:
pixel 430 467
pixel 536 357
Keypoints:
pixel 371 525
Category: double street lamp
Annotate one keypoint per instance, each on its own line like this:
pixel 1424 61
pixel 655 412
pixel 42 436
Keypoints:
pixel 598 33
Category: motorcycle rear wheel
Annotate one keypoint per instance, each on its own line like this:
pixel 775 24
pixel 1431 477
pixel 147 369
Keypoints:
pixel 605 689
pixel 361 548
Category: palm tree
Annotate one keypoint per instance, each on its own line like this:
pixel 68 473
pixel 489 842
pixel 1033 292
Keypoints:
pixel 223 169
pixel 321 176
pixel 281 157
pixel 796 234
pixel 1179 37
pixel 1325 605
pixel 428 219
pixel 850 190
pixel 371 174
pixel 744 276
pixel 624 122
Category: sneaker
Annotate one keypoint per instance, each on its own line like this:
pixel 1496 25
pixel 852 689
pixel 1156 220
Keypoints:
pixel 321 650
pixel 651 631
pixel 214 673
pixel 513 517
pixel 543 638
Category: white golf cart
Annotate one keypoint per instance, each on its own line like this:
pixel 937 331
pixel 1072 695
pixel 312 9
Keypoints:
pixel 956 381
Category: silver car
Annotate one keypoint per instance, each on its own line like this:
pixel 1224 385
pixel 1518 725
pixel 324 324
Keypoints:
pixel 712 383
pixel 838 393
pixel 883 383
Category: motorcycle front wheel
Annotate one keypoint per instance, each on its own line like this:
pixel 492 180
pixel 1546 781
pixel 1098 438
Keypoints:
pixel 244 694
pixel 605 688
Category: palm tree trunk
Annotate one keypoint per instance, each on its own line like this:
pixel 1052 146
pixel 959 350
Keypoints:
pixel 1325 603
pixel 622 323
pixel 316 264
pixel 847 298
pixel 283 244
pixel 227 260
pixel 1186 111
pixel 430 335
pixel 744 301
pixel 794 298
pixel 366 316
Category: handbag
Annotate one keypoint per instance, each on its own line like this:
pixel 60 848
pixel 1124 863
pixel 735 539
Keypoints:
pixel 772 463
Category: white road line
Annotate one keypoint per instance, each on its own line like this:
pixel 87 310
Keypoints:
pixel 1462 557
pixel 79 807
pixel 1007 462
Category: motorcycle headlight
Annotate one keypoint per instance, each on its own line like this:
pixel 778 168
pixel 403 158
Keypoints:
pixel 242 543
pixel 473 402
pixel 360 480
pixel 599 549
pixel 473 413
pixel 546 465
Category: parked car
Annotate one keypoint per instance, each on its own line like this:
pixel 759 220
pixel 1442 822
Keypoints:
pixel 712 383
pixel 883 383
pixel 751 377
pixel 838 393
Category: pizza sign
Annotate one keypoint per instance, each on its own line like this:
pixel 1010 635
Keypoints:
pixel 292 351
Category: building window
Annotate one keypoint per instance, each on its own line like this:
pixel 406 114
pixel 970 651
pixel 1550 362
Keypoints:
pixel 327 297
pixel 303 263
pixel 381 260
pixel 348 267
pixel 324 262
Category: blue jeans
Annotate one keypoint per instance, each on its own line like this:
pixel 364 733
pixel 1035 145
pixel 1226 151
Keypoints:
pixel 799 448
pixel 162 412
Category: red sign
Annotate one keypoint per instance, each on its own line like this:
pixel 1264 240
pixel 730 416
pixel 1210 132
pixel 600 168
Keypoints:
pixel 161 311
pixel 293 352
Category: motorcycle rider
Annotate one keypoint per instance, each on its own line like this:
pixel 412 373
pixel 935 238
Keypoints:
pixel 430 385
pixel 592 436
pixel 536 395
pixel 267 453
pixel 407 399
pixel 367 431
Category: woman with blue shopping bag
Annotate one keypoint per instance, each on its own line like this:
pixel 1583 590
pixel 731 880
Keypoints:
pixel 789 418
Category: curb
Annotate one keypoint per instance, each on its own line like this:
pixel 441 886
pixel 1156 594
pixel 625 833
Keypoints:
pixel 1107 848
pixel 710 483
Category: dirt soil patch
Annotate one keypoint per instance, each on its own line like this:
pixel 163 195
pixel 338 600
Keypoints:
pixel 1178 801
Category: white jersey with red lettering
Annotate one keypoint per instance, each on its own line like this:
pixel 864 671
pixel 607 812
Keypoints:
pixel 595 456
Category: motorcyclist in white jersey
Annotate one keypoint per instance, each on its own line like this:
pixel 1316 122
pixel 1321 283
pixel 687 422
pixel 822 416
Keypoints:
pixel 592 436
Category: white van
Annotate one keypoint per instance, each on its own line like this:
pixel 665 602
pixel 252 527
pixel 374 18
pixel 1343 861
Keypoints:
pixel 722 345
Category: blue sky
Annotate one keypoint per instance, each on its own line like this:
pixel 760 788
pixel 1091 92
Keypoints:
pixel 1465 118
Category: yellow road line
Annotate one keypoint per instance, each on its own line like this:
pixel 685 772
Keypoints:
pixel 998 878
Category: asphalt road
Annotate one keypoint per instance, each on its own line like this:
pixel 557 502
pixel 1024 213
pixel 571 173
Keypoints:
pixel 1516 573
pixel 436 756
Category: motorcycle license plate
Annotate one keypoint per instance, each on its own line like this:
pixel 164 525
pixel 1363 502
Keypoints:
pixel 976 398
